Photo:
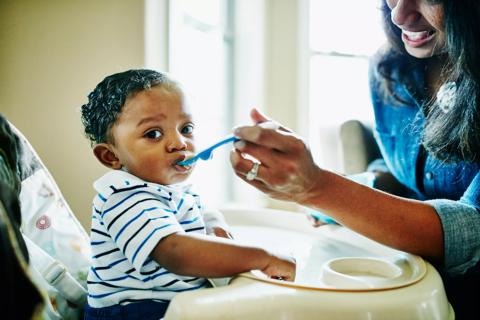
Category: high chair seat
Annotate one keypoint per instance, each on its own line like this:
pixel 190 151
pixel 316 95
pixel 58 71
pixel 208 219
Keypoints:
pixel 58 245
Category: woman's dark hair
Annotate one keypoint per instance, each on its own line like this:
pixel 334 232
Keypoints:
pixel 23 300
pixel 106 101
pixel 453 135
pixel 9 156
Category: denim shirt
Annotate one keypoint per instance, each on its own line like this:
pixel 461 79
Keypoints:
pixel 452 189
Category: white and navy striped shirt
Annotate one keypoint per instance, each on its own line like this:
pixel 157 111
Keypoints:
pixel 130 216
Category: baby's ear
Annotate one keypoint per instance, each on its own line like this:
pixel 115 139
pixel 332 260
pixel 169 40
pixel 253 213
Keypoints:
pixel 105 154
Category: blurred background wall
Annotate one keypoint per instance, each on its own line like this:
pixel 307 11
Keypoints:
pixel 52 53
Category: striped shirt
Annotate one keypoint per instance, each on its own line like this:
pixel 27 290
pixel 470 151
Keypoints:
pixel 129 217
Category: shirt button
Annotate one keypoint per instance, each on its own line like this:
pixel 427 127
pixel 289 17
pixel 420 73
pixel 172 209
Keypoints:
pixel 429 176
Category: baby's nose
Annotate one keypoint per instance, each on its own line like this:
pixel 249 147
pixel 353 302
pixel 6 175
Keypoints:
pixel 176 143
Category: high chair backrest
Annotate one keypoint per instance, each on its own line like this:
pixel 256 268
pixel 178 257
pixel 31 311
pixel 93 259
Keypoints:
pixel 57 243
pixel 358 145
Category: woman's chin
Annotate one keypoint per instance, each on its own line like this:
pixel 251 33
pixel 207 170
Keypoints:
pixel 423 52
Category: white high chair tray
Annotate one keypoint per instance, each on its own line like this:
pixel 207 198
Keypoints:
pixel 340 275
pixel 323 265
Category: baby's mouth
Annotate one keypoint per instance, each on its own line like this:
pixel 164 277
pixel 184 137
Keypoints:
pixel 182 167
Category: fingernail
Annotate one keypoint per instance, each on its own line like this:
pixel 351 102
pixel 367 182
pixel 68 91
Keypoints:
pixel 233 158
pixel 269 125
pixel 239 144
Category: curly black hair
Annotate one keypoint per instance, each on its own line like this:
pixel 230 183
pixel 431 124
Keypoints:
pixel 106 101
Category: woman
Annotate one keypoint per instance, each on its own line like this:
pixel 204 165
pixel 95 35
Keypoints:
pixel 425 87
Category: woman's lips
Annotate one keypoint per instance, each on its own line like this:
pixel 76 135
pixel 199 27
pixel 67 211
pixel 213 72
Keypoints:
pixel 417 39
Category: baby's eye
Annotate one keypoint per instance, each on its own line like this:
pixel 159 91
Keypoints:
pixel 188 129
pixel 153 134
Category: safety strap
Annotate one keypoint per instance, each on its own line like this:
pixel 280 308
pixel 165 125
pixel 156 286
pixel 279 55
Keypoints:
pixel 56 274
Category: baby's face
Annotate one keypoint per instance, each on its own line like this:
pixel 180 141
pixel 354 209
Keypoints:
pixel 152 134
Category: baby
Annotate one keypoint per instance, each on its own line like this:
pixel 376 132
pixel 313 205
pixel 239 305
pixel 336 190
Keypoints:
pixel 149 237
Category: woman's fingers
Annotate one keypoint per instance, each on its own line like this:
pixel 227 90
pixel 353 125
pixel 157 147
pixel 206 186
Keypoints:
pixel 265 155
pixel 257 116
pixel 261 181
pixel 282 141
pixel 243 166
pixel 268 180
pixel 284 176
pixel 287 169
pixel 267 132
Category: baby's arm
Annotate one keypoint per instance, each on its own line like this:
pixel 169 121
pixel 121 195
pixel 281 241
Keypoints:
pixel 204 256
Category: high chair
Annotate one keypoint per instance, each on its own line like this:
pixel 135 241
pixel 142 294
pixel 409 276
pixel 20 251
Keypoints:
pixel 340 274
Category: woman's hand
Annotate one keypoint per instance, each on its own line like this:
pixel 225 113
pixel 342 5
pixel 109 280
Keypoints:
pixel 287 170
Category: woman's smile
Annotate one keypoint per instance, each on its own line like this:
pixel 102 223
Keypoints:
pixel 416 39
pixel 422 26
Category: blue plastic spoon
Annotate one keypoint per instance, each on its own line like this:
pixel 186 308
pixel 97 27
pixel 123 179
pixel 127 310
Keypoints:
pixel 207 153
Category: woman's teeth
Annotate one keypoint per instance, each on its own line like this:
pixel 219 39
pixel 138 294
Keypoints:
pixel 415 36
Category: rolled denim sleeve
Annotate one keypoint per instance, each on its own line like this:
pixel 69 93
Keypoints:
pixel 461 233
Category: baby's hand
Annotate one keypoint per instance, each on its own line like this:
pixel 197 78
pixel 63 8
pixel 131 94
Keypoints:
pixel 281 267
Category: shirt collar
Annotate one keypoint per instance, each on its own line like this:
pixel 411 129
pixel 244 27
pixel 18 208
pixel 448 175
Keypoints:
pixel 119 179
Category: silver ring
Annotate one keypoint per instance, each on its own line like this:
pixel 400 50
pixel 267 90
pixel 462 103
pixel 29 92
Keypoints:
pixel 252 174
